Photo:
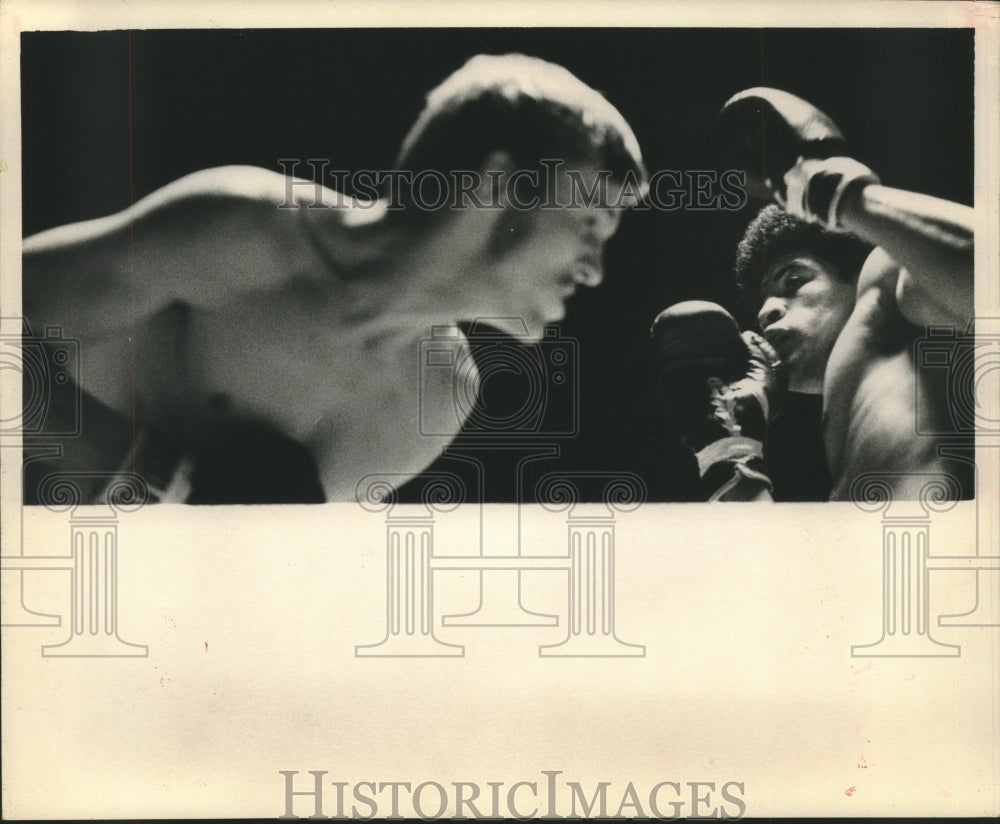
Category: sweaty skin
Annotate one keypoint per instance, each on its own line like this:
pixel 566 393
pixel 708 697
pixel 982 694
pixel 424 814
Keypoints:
pixel 212 302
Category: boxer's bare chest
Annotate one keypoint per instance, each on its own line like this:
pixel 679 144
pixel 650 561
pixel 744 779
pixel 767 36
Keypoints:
pixel 877 403
pixel 356 398
pixel 300 359
pixel 281 359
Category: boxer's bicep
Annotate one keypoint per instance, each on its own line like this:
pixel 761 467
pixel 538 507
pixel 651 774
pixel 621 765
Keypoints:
pixel 919 301
pixel 931 242
pixel 923 304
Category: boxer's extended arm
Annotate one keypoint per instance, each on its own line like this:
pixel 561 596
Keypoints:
pixel 806 166
pixel 931 239
pixel 200 240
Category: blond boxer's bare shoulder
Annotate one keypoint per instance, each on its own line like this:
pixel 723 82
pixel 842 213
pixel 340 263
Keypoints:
pixel 221 297
pixel 200 239
pixel 238 295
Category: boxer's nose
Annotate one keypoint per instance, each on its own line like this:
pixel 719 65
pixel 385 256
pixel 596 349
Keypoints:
pixel 771 312
pixel 603 223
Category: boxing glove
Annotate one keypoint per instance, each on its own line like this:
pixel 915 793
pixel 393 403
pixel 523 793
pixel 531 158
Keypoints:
pixel 717 390
pixel 791 150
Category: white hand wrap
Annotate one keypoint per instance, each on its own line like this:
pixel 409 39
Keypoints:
pixel 736 449
pixel 737 452
pixel 838 174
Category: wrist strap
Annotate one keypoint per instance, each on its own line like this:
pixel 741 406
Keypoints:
pixel 736 449
pixel 750 484
pixel 815 188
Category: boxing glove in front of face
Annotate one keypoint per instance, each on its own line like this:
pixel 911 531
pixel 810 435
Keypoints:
pixel 717 390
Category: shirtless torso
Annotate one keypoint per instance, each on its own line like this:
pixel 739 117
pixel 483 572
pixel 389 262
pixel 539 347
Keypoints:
pixel 226 298
pixel 879 405
pixel 272 322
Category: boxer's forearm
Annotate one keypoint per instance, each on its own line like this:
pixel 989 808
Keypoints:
pixel 932 239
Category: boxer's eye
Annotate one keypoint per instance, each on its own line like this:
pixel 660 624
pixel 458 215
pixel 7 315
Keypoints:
pixel 789 280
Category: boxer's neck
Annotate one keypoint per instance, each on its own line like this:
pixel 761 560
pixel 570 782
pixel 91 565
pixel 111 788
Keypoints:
pixel 430 272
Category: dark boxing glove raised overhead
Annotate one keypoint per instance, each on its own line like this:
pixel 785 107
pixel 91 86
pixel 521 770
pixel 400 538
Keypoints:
pixel 791 150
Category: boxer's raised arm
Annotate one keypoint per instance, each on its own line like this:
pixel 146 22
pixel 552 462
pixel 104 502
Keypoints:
pixel 931 239
pixel 200 240
pixel 806 166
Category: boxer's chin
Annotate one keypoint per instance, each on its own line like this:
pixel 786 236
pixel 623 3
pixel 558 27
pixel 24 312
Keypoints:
pixel 526 329
pixel 803 381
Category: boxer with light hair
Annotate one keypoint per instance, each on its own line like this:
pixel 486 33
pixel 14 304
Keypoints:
pixel 838 317
pixel 216 319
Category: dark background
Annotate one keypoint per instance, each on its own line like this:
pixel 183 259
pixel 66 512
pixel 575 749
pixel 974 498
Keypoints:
pixel 110 116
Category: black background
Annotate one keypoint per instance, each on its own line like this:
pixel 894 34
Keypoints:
pixel 110 116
